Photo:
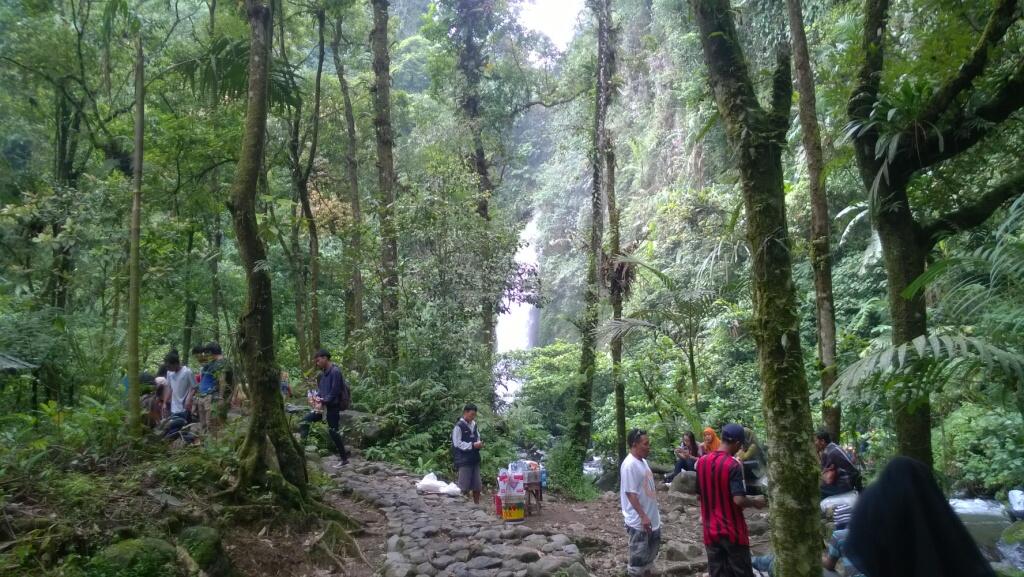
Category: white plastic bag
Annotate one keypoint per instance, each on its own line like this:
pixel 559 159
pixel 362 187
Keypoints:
pixel 431 484
pixel 452 489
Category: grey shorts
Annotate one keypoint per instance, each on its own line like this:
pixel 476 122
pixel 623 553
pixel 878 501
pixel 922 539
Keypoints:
pixel 469 478
pixel 643 549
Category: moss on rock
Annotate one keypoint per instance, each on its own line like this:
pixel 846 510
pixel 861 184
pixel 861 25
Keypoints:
pixel 203 544
pixel 1014 534
pixel 136 558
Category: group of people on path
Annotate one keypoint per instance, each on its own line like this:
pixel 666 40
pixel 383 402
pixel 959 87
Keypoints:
pixel 901 525
pixel 180 396
pixel 723 497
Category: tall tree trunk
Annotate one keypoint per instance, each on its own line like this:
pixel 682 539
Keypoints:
pixel 134 272
pixel 956 119
pixel 386 183
pixel 216 302
pixel 821 254
pixel 268 442
pixel 616 297
pixel 190 302
pixel 757 136
pixel 584 409
pixel 300 177
pixel 354 318
pixel 691 359
pixel 298 267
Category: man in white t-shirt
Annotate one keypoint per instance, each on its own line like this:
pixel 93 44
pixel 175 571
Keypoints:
pixel 180 382
pixel 639 500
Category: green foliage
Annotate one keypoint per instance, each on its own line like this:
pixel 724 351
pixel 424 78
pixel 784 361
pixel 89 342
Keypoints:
pixel 982 449
pixel 566 475
pixel 135 558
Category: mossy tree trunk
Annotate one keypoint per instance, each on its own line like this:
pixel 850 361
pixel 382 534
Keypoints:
pixel 268 444
pixel 583 409
pixel 474 21
pixel 301 170
pixel 354 317
pixel 821 224
pixel 758 135
pixel 951 122
pixel 616 290
pixel 134 264
pixel 386 184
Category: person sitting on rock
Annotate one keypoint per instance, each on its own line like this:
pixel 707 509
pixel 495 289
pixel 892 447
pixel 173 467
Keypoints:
pixel 752 457
pixel 466 445
pixel 686 455
pixel 710 444
pixel 838 473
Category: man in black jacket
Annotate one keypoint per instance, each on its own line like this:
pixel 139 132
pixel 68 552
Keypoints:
pixel 466 445
pixel 332 396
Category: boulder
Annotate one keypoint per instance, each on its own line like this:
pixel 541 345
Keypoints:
pixel 365 429
pixel 608 481
pixel 677 551
pixel 549 565
pixel 204 545
pixel 134 557
pixel 685 482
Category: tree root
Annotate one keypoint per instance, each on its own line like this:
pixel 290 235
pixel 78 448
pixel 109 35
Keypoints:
pixel 336 537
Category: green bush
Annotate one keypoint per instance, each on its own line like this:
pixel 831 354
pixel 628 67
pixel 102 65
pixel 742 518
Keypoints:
pixel 982 448
pixel 135 558
pixel 566 475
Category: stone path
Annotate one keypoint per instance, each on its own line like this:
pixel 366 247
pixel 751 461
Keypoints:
pixel 436 535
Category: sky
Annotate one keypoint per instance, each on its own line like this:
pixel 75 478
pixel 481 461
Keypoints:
pixel 555 18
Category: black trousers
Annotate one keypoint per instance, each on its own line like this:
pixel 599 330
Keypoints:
pixel 727 559
pixel 333 424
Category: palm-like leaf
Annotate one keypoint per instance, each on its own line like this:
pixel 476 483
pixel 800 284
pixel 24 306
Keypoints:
pixel 940 348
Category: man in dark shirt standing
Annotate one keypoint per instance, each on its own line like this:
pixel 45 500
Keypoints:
pixel 723 496
pixel 332 397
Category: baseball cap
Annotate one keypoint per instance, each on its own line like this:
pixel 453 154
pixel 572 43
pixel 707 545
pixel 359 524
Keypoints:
pixel 733 433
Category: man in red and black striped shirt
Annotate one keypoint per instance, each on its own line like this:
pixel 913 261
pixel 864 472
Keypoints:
pixel 723 496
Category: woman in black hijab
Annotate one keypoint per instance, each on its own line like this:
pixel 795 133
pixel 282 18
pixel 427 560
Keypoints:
pixel 903 526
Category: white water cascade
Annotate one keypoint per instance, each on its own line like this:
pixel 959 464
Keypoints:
pixel 517 328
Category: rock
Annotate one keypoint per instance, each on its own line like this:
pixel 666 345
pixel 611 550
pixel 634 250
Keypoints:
pixel 676 551
pixel 571 549
pixel 685 482
pixel 416 556
pixel 442 561
pixel 398 570
pixel 535 540
pixel 489 535
pixel 365 429
pixel 393 544
pixel 560 540
pixel 165 500
pixel 757 527
pixel 608 481
pixel 577 528
pixel 426 569
pixel 548 565
pixel 462 555
pixel 204 545
pixel 577 570
pixel 146 556
pixel 481 562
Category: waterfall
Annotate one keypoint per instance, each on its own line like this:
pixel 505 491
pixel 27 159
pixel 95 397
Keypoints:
pixel 517 327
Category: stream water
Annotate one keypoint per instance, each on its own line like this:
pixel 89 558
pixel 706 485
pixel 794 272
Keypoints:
pixel 517 327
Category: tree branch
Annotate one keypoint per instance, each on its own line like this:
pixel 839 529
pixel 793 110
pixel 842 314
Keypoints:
pixel 967 128
pixel 547 103
pixel 972 215
pixel 1003 16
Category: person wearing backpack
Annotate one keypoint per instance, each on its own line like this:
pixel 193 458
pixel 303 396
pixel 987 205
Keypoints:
pixel 838 473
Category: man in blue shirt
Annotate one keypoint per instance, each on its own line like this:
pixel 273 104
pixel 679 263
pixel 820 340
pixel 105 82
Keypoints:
pixel 332 396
